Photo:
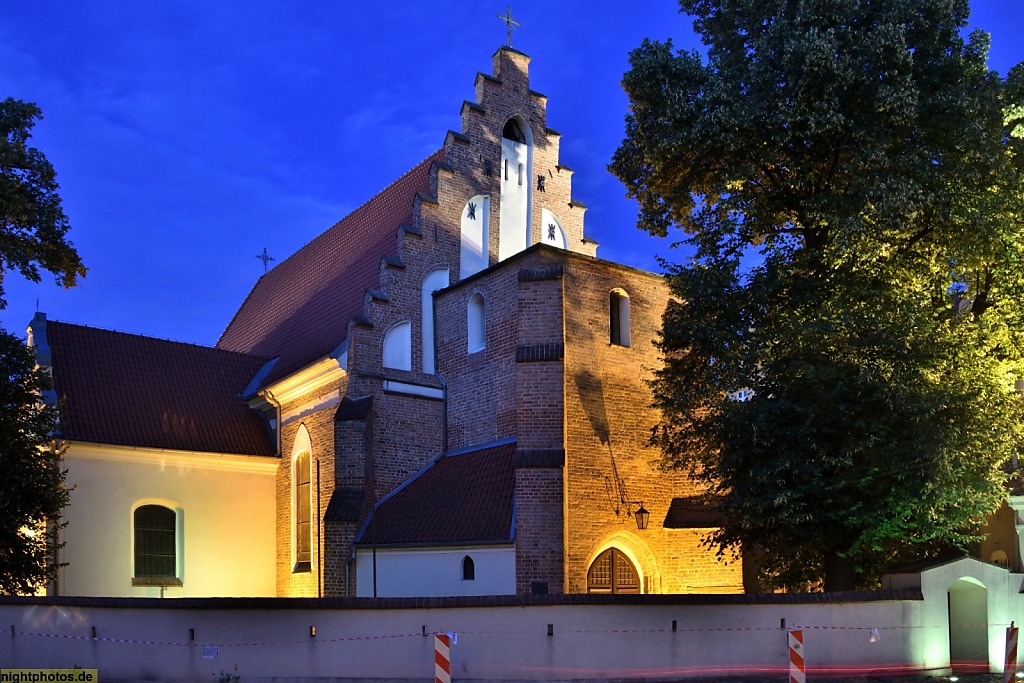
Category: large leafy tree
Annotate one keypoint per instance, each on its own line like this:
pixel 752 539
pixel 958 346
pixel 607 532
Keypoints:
pixel 848 174
pixel 33 493
pixel 33 226
pixel 32 236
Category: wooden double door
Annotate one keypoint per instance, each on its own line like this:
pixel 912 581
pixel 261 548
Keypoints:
pixel 613 572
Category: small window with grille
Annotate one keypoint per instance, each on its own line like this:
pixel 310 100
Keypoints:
pixel 155 529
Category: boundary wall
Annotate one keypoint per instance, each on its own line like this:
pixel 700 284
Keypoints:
pixel 510 638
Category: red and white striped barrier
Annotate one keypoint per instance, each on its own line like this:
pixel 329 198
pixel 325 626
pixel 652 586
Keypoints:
pixel 1010 669
pixel 797 667
pixel 442 659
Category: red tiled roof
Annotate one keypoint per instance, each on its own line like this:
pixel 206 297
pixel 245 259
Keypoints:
pixel 463 498
pixel 131 390
pixel 299 311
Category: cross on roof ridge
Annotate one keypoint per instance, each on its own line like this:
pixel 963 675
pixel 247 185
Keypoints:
pixel 509 22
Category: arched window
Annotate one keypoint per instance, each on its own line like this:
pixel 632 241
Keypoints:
pixel 516 191
pixel 612 572
pixel 476 323
pixel 468 569
pixel 473 255
pixel 155 530
pixel 618 317
pixel 513 131
pixel 433 282
pixel 398 347
pixel 999 557
pixel 302 500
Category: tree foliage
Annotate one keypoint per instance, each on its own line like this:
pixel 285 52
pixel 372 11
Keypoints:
pixel 33 493
pixel 32 221
pixel 849 176
pixel 32 236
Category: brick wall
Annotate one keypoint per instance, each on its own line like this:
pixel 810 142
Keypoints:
pixel 547 375
pixel 315 411
pixel 539 530
pixel 608 423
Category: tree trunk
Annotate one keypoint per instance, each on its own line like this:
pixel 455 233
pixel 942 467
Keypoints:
pixel 839 574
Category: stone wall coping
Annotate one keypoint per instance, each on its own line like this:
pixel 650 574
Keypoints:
pixel 345 603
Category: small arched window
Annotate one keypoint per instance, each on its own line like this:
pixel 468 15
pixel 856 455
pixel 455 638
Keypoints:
pixel 512 131
pixel 398 347
pixel 156 544
pixel 468 569
pixel 618 317
pixel 476 324
pixel 999 558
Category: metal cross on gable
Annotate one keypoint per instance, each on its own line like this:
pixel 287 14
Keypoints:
pixel 509 22
pixel 266 258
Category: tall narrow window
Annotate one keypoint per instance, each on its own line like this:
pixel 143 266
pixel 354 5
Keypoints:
pixel 303 518
pixel 476 324
pixel 433 282
pixel 618 317
pixel 468 569
pixel 156 545
pixel 302 497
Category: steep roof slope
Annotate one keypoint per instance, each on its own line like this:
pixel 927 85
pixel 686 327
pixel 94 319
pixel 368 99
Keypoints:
pixel 131 390
pixel 460 498
pixel 300 310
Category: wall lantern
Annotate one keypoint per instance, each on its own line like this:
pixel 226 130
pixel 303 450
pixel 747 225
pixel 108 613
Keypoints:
pixel 642 516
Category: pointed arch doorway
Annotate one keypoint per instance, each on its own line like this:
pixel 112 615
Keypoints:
pixel 613 572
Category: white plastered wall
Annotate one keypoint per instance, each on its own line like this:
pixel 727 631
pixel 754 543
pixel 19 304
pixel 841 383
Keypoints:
pixel 435 573
pixel 226 507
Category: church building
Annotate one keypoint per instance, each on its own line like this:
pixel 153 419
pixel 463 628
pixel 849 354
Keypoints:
pixel 442 394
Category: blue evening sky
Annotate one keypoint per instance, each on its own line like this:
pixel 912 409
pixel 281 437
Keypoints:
pixel 188 136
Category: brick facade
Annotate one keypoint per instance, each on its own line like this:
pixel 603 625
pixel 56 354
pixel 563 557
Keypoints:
pixel 547 376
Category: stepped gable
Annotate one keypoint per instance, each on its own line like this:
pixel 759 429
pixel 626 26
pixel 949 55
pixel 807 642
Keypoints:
pixel 463 497
pixel 130 390
pixel 300 310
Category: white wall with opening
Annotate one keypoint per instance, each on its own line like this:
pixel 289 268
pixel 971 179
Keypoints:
pixel 516 189
pixel 397 353
pixel 436 280
pixel 473 253
pixel 552 231
pixel 476 323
